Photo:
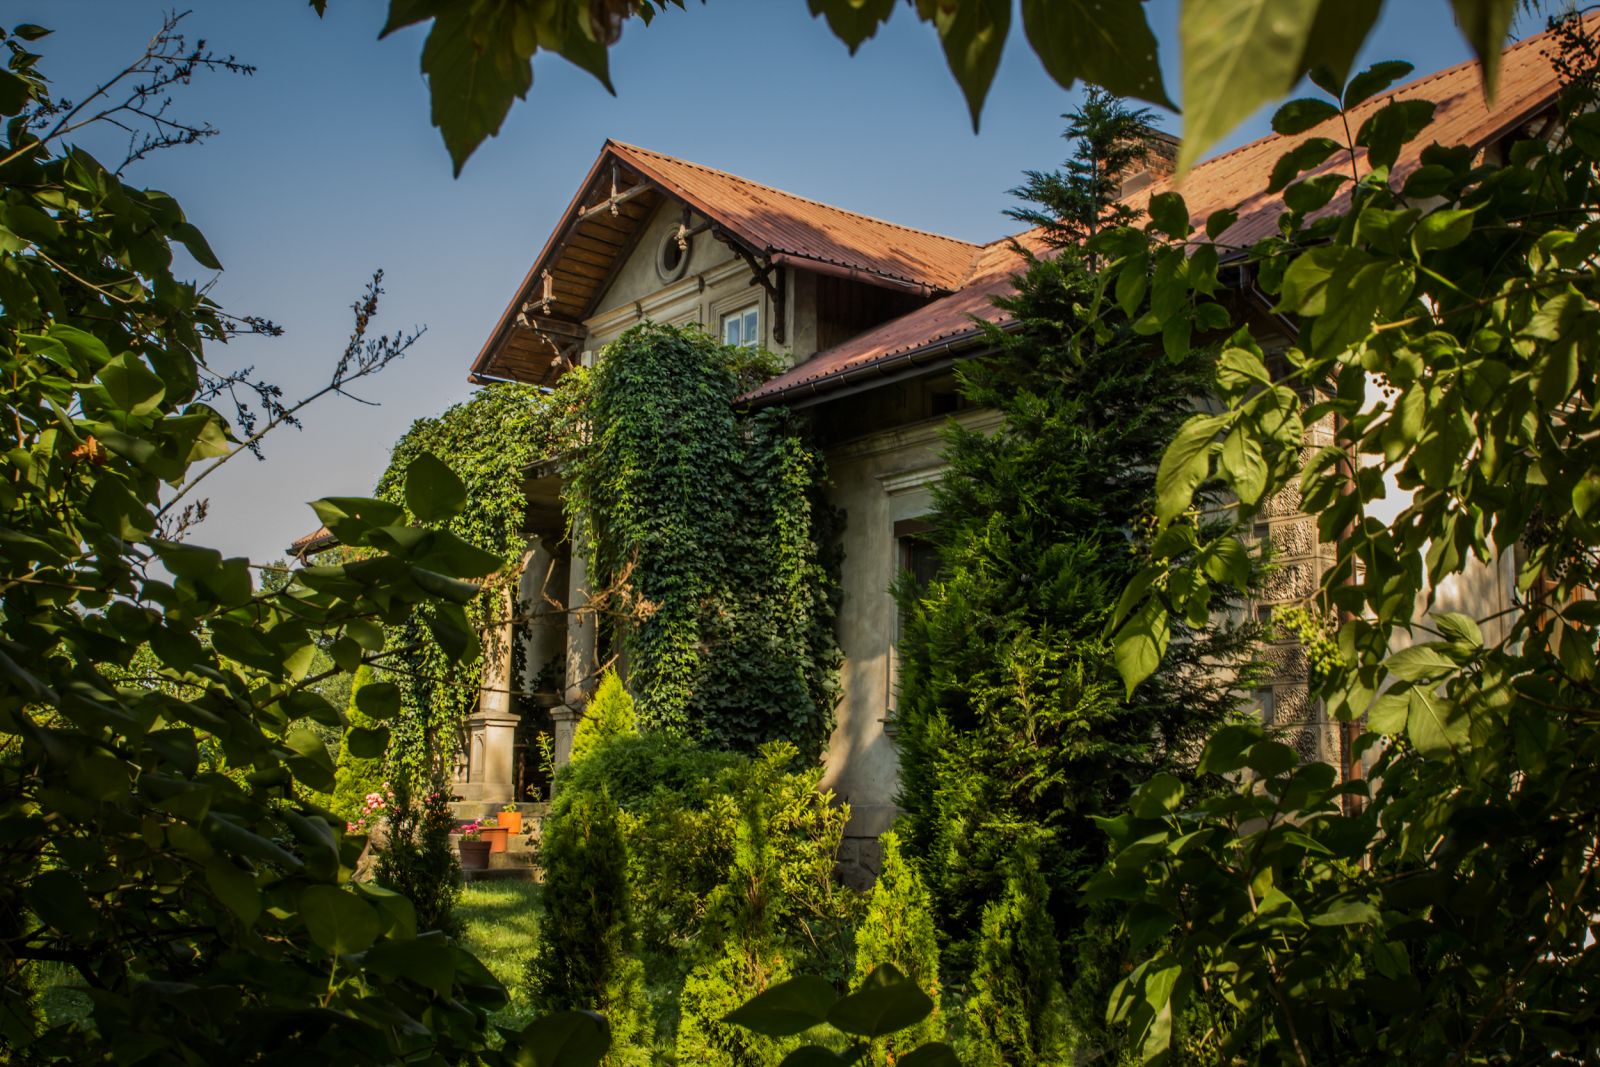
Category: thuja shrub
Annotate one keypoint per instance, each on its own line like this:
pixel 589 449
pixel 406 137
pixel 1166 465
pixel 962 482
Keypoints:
pixel 709 525
pixel 1015 1011
pixel 587 958
pixel 898 929
pixel 418 860
pixel 609 714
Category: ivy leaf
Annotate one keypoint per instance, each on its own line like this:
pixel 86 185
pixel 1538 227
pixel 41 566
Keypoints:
pixel 433 492
pixel 1106 42
pixel 1237 55
pixel 339 922
pixel 786 1009
pixel 973 33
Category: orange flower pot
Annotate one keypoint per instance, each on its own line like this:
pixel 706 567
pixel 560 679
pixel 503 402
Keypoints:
pixel 496 836
pixel 511 820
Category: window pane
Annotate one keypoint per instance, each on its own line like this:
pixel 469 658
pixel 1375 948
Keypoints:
pixel 752 335
pixel 730 330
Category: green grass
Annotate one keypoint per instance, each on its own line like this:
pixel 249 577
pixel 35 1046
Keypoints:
pixel 500 925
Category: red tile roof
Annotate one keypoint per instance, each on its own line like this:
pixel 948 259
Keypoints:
pixel 315 541
pixel 1236 179
pixel 772 220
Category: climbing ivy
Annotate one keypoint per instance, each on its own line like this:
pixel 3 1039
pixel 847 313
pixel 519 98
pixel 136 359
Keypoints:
pixel 488 441
pixel 707 528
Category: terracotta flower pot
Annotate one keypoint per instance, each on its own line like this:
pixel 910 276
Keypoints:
pixel 511 820
pixel 474 854
pixel 496 837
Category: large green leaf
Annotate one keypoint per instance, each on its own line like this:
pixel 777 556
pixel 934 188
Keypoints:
pixel 1485 24
pixel 887 1001
pixel 338 921
pixel 1184 465
pixel 562 1039
pixel 475 69
pixel 1237 56
pixel 433 492
pixel 1106 42
pixel 853 21
pixel 1140 644
pixel 1435 724
pixel 787 1008
pixel 973 33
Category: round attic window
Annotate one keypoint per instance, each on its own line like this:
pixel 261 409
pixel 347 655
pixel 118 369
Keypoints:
pixel 672 259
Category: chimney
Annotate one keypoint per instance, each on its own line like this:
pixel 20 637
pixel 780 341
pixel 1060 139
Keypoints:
pixel 1161 159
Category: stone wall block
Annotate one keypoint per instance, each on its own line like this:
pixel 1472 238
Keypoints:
pixel 1296 537
pixel 1289 581
pixel 1284 503
pixel 1286 661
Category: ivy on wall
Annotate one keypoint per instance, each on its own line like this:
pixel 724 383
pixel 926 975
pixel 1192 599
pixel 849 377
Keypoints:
pixel 489 441
pixel 710 524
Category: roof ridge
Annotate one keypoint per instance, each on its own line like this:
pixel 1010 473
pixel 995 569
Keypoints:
pixel 796 196
pixel 1412 84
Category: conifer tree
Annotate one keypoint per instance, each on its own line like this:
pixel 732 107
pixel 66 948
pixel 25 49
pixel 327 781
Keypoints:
pixel 1015 1013
pixel 898 929
pixel 609 714
pixel 588 951
pixel 1013 722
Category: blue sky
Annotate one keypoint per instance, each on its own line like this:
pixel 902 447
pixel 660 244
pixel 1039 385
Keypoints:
pixel 327 168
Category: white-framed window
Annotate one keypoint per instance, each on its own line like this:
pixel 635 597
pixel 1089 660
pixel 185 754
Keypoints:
pixel 742 327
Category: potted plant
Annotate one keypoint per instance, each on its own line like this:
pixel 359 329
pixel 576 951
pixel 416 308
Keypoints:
pixel 474 847
pixel 511 818
pixel 496 834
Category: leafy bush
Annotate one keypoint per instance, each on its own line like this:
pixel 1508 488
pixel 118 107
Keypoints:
pixel 418 860
pixel 608 715
pixel 1015 1012
pixel 587 958
pixel 898 930
pixel 356 777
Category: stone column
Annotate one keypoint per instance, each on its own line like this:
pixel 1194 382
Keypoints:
pixel 492 729
pixel 581 664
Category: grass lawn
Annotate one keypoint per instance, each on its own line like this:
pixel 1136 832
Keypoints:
pixel 500 925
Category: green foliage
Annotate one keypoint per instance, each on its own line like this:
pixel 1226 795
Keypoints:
pixel 356 777
pixel 156 845
pixel 489 440
pixel 897 930
pixel 871 1021
pixel 1449 321
pixel 1013 725
pixel 588 958
pixel 706 833
pixel 418 861
pixel 1236 54
pixel 1015 1012
pixel 708 526
pixel 608 715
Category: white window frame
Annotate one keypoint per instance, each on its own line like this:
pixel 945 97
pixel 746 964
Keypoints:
pixel 741 314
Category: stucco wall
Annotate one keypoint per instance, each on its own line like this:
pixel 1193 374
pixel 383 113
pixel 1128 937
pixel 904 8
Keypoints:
pixel 878 480
pixel 715 282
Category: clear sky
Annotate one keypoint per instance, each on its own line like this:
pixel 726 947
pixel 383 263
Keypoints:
pixel 327 168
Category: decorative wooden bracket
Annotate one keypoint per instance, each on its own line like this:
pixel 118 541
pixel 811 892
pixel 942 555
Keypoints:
pixel 768 275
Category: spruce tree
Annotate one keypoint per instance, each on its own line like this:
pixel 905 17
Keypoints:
pixel 609 714
pixel 1014 727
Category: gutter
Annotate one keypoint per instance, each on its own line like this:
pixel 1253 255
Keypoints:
pixel 854 274
pixel 928 357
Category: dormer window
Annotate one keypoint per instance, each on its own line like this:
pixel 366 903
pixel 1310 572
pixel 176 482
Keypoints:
pixel 742 328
